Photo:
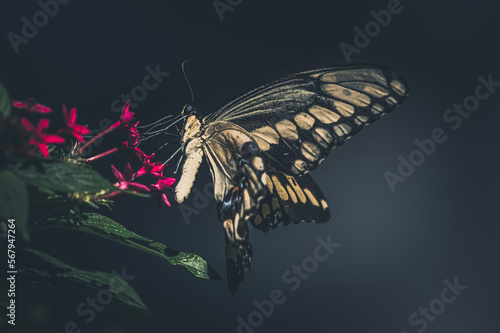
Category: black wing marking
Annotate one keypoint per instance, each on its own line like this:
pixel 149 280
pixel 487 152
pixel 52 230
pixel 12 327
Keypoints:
pixel 291 199
pixel 299 119
pixel 239 206
pixel 238 171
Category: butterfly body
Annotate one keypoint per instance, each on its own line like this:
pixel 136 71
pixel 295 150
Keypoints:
pixel 260 147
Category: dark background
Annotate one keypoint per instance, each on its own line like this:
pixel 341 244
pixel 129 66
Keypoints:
pixel 396 248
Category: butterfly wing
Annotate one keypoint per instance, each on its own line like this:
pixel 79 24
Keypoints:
pixel 238 172
pixel 290 199
pixel 255 144
pixel 297 120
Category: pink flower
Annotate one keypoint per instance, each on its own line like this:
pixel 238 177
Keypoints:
pixel 133 134
pixel 159 188
pixel 31 105
pixel 125 180
pixel 151 168
pixel 125 118
pixel 39 137
pixel 132 140
pixel 71 126
pixel 126 115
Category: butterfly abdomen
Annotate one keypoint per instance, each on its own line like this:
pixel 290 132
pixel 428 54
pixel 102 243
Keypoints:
pixel 194 156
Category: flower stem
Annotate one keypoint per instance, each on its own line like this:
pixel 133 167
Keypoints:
pixel 100 135
pixel 107 195
pixel 101 155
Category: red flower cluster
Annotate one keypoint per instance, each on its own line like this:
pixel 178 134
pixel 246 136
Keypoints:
pixel 126 180
pixel 32 106
pixel 71 126
pixel 39 137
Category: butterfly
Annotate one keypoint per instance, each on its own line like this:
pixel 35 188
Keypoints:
pixel 261 146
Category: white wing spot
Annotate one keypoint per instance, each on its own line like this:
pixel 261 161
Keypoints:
pixel 311 197
pixel 375 91
pixel 324 115
pixel 356 98
pixel 287 130
pixel 291 193
pixel 362 118
pixel 304 121
pixel 343 108
pixel 258 163
pixel 324 204
pixel 265 136
pixel 398 87
pixel 310 151
pixel 322 136
pixel 300 166
pixel 377 108
pixel 391 100
pixel 342 129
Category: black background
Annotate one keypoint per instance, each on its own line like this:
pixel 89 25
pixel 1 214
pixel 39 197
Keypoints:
pixel 396 247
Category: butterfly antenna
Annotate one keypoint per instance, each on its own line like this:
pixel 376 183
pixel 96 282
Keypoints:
pixel 162 120
pixel 187 81
pixel 190 47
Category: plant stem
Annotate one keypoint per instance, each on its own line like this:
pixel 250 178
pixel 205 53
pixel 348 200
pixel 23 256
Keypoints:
pixel 100 135
pixel 108 195
pixel 106 153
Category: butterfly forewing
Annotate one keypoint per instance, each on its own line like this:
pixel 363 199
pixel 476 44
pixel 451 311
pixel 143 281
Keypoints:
pixel 298 120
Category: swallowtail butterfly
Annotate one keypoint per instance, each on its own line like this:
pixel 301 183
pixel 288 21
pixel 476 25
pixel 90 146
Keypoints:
pixel 261 146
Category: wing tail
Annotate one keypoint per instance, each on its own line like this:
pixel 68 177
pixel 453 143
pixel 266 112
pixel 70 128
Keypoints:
pixel 238 259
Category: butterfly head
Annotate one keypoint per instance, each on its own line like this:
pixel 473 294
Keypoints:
pixel 192 123
pixel 188 110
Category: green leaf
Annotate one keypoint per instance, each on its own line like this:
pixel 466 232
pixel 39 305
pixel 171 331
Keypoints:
pixel 14 201
pixel 49 271
pixel 62 177
pixel 4 102
pixel 105 227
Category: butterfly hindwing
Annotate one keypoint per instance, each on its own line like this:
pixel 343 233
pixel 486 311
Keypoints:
pixel 291 199
pixel 298 120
